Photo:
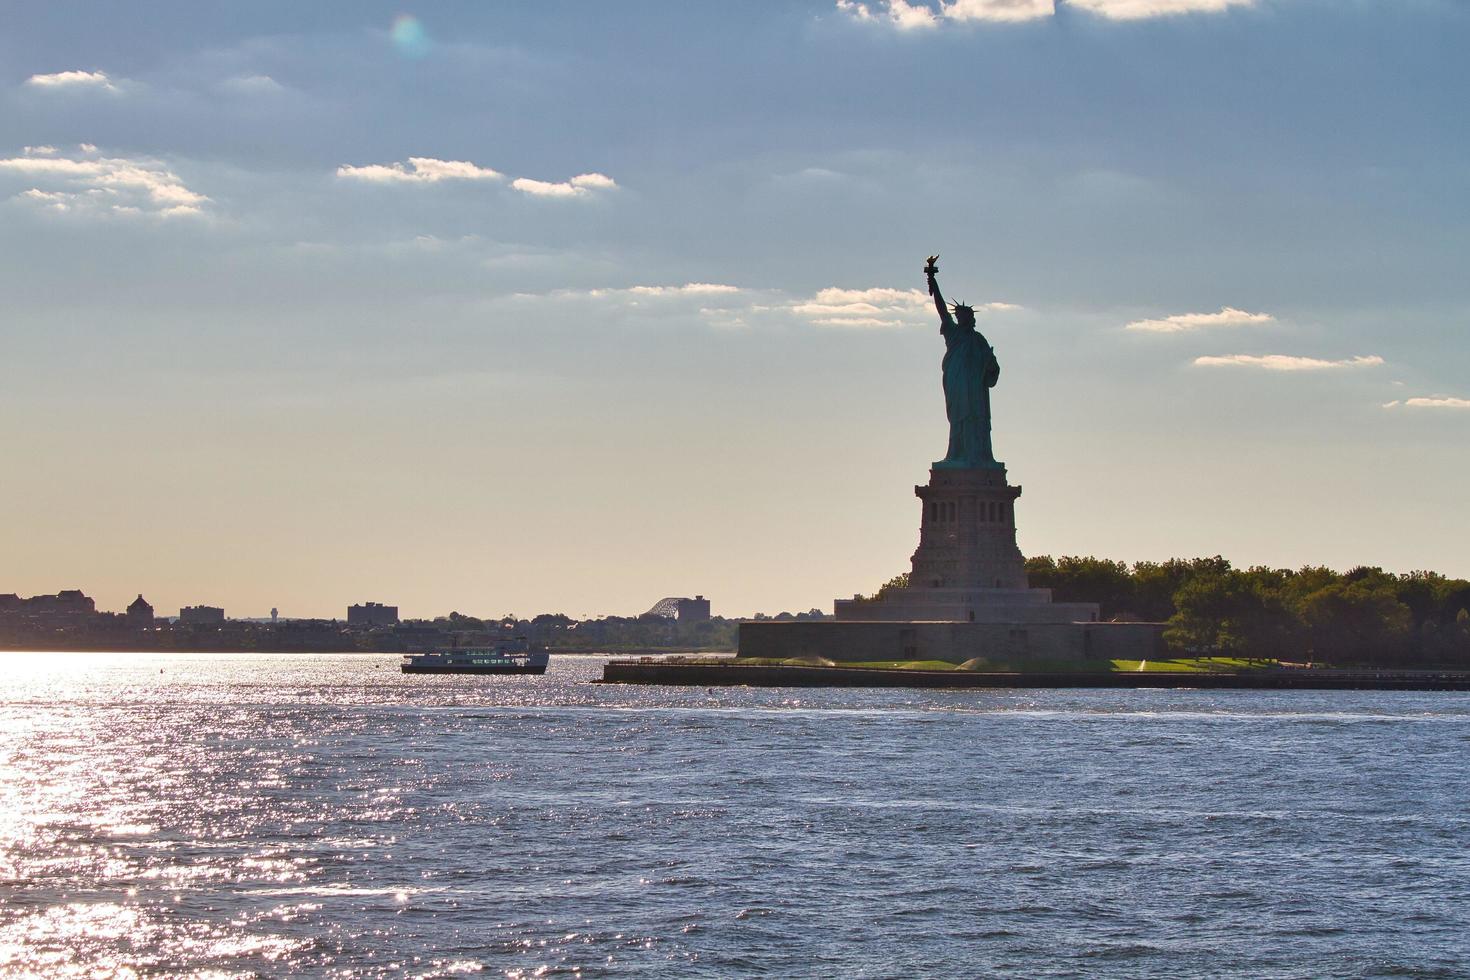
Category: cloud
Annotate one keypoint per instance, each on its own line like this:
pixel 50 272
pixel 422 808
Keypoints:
pixel 117 185
pixel 1001 10
pixel 252 85
pixel 703 289
pixel 876 307
pixel 688 289
pixel 541 188
pixel 591 182
pixel 1286 362
pixel 920 14
pixel 718 304
pixel 55 200
pixel 578 186
pixel 1439 401
pixel 1228 316
pixel 419 170
pixel 1142 9
pixel 724 305
pixel 427 170
pixel 40 151
pixel 73 80
pixel 901 14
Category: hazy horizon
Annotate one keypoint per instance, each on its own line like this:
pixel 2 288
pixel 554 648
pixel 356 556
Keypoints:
pixel 571 307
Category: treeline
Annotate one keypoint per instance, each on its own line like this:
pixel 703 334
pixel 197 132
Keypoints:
pixel 1362 616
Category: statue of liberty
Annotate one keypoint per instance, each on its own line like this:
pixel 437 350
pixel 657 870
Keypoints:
pixel 970 371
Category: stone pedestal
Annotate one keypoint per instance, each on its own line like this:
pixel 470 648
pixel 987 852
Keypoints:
pixel 967 536
pixel 967 567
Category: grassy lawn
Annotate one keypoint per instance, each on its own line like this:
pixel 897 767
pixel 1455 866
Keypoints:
pixel 901 664
pixel 1194 664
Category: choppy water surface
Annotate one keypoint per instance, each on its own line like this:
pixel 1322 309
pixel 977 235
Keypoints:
pixel 273 815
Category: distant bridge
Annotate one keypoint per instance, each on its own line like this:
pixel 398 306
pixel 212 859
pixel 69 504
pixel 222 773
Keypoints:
pixel 667 608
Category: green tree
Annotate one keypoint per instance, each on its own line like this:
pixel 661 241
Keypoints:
pixel 1077 579
pixel 1234 612
pixel 1358 621
pixel 1420 591
pixel 1154 583
pixel 895 584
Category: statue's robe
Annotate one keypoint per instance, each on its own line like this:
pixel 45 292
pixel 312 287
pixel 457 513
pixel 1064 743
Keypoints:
pixel 970 371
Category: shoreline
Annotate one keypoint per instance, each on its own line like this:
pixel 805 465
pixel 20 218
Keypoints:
pixel 731 675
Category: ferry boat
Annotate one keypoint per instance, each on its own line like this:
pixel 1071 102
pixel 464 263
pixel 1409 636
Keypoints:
pixel 514 657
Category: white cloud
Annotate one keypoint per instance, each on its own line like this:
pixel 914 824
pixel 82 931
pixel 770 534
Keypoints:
pixel 1142 9
pixel 689 288
pixel 578 186
pixel 725 305
pixel 428 170
pixel 704 289
pixel 901 14
pixel 118 185
pixel 252 85
pixel 542 188
pixel 920 14
pixel 1228 316
pixel 593 182
pixel 40 151
pixel 1001 10
pixel 419 170
pixel 910 16
pixel 1439 401
pixel 879 306
pixel 73 80
pixel 54 200
pixel 1286 362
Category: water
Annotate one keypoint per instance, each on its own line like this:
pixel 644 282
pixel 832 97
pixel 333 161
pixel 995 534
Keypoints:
pixel 323 815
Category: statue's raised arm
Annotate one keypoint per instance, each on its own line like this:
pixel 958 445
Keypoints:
pixel 931 269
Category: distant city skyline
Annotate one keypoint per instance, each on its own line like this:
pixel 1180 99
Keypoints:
pixel 569 307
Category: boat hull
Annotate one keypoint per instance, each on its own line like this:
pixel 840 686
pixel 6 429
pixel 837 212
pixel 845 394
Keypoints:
pixel 471 669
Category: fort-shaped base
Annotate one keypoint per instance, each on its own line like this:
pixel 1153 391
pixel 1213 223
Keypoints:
pixel 967 568
pixel 965 606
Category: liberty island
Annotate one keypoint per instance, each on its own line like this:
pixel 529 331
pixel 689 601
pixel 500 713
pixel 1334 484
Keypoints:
pixel 965 614
pixel 966 596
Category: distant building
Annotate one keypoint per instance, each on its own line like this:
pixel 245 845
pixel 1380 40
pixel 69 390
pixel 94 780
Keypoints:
pixel 73 601
pixel 694 610
pixel 140 613
pixel 372 614
pixel 201 615
pixel 67 606
pixel 67 602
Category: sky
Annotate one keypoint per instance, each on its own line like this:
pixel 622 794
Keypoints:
pixel 569 306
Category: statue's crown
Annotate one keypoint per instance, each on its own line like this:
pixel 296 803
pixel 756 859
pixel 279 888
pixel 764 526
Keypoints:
pixel 957 307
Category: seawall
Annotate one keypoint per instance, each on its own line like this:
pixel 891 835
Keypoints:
pixel 725 674
pixel 1009 643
